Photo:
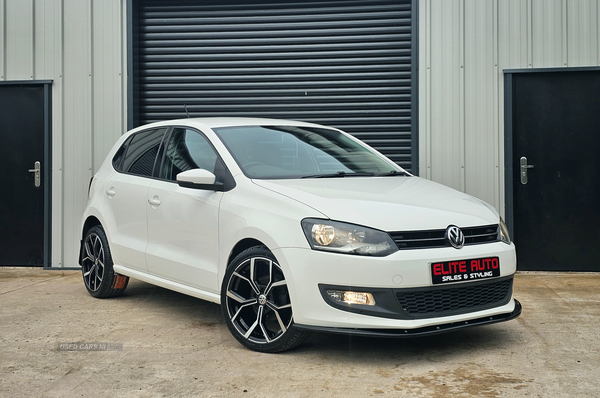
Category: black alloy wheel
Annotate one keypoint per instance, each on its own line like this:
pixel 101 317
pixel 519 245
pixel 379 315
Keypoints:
pixel 97 266
pixel 256 304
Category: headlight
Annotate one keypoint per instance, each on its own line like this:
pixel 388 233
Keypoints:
pixel 347 238
pixel 504 237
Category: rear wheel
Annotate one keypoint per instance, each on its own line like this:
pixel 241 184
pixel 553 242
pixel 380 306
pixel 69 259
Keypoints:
pixel 256 304
pixel 99 278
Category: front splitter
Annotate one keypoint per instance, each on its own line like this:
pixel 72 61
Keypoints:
pixel 424 331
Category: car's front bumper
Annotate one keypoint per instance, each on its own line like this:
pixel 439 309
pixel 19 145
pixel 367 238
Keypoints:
pixel 422 331
pixel 309 271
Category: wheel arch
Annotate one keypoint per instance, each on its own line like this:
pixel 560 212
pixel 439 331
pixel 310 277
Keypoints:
pixel 248 305
pixel 89 223
pixel 243 245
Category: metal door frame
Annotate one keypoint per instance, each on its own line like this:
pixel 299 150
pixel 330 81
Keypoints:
pixel 47 164
pixel 508 132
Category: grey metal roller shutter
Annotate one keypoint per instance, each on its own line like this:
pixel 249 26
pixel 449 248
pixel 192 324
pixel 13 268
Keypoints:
pixel 345 64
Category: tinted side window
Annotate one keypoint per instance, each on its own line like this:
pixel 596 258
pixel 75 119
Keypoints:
pixel 118 158
pixel 187 149
pixel 140 154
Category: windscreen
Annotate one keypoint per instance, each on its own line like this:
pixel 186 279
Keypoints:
pixel 277 152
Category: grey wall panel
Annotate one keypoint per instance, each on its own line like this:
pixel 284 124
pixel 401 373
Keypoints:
pixel 445 162
pixel 514 46
pixel 549 30
pixel 481 97
pixel 464 47
pixel 77 116
pixel 108 42
pixel 79 45
pixel 341 63
pixel 19 22
pixel 583 35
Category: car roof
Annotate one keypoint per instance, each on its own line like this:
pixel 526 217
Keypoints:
pixel 214 122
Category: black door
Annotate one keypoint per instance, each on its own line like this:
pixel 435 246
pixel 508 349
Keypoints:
pixel 556 169
pixel 24 176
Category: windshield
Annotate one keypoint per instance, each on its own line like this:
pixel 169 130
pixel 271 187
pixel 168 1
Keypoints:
pixel 277 152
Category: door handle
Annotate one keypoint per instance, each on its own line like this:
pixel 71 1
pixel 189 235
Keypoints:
pixel 524 167
pixel 155 201
pixel 37 170
pixel 111 192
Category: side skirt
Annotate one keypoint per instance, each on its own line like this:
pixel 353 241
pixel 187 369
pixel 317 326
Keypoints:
pixel 167 284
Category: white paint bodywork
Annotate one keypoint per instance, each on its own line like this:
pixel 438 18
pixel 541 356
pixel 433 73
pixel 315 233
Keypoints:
pixel 182 238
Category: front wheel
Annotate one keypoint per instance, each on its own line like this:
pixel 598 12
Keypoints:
pixel 99 278
pixel 256 303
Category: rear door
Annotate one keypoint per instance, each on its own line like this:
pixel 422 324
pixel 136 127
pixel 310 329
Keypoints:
pixel 126 194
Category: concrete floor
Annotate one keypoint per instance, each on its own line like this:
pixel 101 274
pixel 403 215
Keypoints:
pixel 174 345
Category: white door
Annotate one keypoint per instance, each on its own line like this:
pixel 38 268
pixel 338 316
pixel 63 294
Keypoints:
pixel 183 222
pixel 126 220
pixel 126 192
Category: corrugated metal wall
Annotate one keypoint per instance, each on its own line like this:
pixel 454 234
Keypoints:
pixel 464 46
pixel 345 63
pixel 80 45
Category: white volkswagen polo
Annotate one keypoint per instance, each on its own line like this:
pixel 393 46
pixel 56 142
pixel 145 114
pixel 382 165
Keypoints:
pixel 293 228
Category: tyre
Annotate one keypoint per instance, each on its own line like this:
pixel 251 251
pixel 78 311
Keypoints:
pixel 99 278
pixel 256 303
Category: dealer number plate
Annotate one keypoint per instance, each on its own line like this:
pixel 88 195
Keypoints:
pixel 465 270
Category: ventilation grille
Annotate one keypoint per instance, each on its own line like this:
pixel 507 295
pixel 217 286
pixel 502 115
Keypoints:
pixel 450 301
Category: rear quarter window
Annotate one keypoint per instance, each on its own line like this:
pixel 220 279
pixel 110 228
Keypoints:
pixel 138 154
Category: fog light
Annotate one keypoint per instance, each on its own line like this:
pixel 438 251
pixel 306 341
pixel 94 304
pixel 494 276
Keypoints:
pixel 351 297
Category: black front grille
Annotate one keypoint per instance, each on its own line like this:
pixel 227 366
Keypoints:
pixel 457 299
pixel 437 237
pixel 476 235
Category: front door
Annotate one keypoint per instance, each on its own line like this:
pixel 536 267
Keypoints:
pixel 183 223
pixel 24 173
pixel 555 169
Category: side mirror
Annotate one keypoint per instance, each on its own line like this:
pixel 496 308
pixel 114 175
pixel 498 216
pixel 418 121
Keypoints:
pixel 199 179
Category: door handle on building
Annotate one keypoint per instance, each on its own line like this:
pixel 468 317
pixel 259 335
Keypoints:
pixel 524 167
pixel 37 170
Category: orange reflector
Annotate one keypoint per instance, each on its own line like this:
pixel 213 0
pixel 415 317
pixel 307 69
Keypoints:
pixel 118 282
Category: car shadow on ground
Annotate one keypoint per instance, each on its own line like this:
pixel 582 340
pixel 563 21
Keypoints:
pixel 441 345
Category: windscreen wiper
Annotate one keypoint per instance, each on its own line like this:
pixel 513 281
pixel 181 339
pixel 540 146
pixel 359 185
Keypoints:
pixel 394 173
pixel 340 174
